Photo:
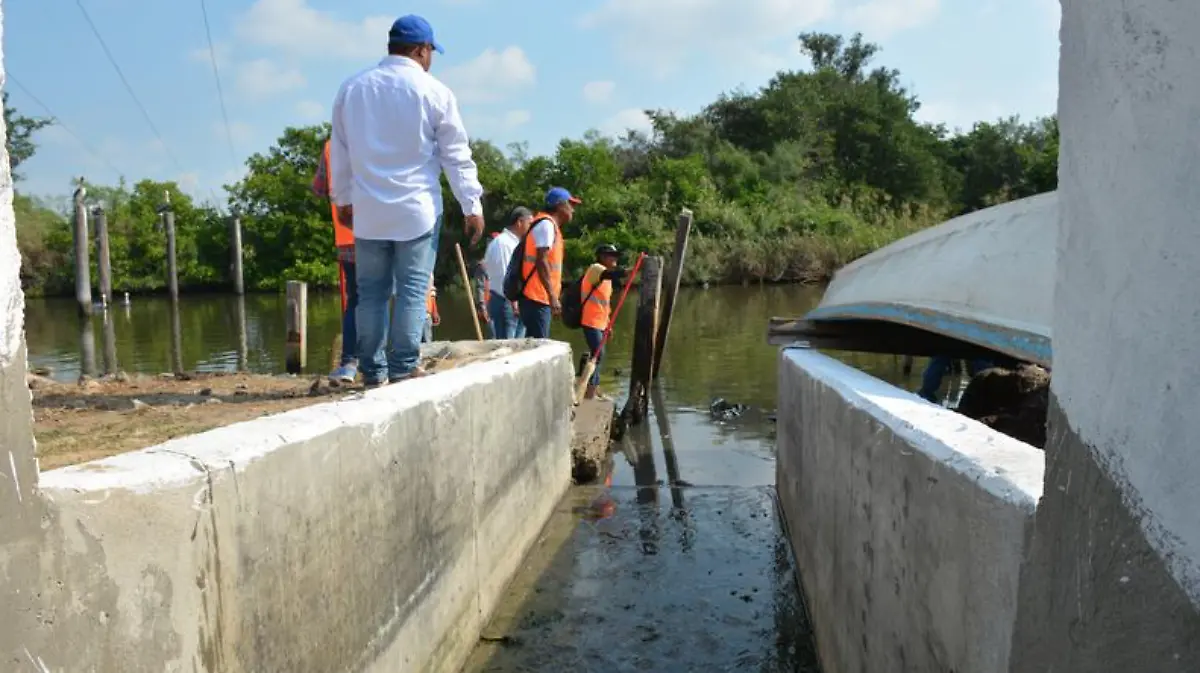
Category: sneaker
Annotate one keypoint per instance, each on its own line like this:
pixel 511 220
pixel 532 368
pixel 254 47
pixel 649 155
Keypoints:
pixel 414 374
pixel 344 374
pixel 372 385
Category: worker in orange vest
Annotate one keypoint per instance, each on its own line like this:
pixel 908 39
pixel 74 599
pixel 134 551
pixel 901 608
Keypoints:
pixel 343 240
pixel 432 317
pixel 596 290
pixel 542 263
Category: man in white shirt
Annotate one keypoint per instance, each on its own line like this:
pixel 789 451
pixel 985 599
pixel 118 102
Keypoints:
pixel 500 311
pixel 395 129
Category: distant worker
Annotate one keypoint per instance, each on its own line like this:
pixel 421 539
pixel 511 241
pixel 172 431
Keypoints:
pixel 502 314
pixel 395 129
pixel 542 265
pixel 343 240
pixel 481 288
pixel 432 317
pixel 939 366
pixel 596 290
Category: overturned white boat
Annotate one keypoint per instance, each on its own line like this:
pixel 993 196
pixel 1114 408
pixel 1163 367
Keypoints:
pixel 980 283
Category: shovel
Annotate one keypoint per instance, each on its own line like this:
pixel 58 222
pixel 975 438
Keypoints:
pixel 590 367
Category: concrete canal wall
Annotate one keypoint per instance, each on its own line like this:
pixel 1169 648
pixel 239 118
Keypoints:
pixel 909 521
pixel 374 534
pixel 1113 582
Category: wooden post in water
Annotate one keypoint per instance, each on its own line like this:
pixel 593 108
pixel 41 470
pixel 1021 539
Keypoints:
pixel 235 246
pixel 110 345
pixel 87 348
pixel 103 260
pixel 83 267
pixel 671 288
pixel 168 220
pixel 642 370
pixel 176 338
pixel 297 326
pixel 243 350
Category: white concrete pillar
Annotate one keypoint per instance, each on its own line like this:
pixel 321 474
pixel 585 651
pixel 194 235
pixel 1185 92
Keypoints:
pixel 1112 582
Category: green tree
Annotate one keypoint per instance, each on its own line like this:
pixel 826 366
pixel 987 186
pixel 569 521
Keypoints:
pixel 19 131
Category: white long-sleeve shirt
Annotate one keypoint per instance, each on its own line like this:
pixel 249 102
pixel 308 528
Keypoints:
pixel 495 259
pixel 395 129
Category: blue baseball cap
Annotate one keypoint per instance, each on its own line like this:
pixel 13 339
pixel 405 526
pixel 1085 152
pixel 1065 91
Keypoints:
pixel 412 29
pixel 558 195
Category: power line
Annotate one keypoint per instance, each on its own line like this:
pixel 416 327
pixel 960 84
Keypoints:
pixel 128 87
pixel 60 123
pixel 212 54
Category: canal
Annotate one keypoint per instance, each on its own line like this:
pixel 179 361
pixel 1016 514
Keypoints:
pixel 680 564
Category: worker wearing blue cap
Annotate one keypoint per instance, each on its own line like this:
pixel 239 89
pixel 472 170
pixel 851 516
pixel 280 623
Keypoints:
pixel 396 128
pixel 542 264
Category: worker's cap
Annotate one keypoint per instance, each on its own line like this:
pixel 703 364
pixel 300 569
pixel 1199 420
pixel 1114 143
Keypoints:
pixel 519 213
pixel 412 29
pixel 558 195
pixel 607 249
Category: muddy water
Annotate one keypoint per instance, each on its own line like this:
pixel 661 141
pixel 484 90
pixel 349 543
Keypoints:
pixel 680 566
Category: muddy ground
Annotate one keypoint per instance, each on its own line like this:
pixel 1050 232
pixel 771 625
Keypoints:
pixel 95 418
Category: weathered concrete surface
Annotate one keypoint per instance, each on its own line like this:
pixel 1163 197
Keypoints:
pixel 591 431
pixel 1114 574
pixel 371 534
pixel 909 521
pixel 705 585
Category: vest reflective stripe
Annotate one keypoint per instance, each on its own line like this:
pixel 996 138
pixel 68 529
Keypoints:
pixel 342 236
pixel 534 290
pixel 596 308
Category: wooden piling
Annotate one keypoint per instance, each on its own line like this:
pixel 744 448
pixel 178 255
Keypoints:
pixel 168 221
pixel 87 348
pixel 645 332
pixel 176 338
pixel 111 366
pixel 103 259
pixel 235 246
pixel 297 326
pixel 83 268
pixel 243 350
pixel 671 287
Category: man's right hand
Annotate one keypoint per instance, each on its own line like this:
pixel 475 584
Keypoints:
pixel 473 228
pixel 555 306
pixel 346 216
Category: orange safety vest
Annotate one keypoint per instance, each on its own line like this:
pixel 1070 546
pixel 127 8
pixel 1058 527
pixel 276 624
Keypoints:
pixel 596 309
pixel 431 301
pixel 534 290
pixel 343 237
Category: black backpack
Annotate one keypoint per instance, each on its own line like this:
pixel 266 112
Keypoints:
pixel 572 303
pixel 514 284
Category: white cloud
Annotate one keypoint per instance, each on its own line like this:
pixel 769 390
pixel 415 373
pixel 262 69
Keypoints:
pixel 294 27
pixel 492 76
pixel 515 118
pixel 629 119
pixel 311 110
pixel 263 77
pixel 879 19
pixel 661 34
pixel 958 116
pixel 223 52
pixel 598 92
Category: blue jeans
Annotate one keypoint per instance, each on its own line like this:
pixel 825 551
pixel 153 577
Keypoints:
pixel 536 318
pixel 503 319
pixel 384 267
pixel 349 320
pixel 938 367
pixel 593 337
pixel 427 330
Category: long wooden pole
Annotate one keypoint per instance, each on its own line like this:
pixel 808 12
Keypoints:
pixel 83 268
pixel 235 247
pixel 103 259
pixel 297 326
pixel 641 373
pixel 671 288
pixel 466 277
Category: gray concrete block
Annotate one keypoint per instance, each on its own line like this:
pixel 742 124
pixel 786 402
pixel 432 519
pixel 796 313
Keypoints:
pixel 908 521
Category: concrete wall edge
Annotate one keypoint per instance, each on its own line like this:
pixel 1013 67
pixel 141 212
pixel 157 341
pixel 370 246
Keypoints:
pixel 1005 467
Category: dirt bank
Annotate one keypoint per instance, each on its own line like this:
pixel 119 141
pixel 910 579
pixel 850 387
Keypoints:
pixel 78 422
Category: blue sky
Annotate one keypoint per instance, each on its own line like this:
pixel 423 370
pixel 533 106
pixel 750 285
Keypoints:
pixel 524 70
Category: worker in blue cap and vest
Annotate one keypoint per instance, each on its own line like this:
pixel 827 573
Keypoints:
pixel 396 128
